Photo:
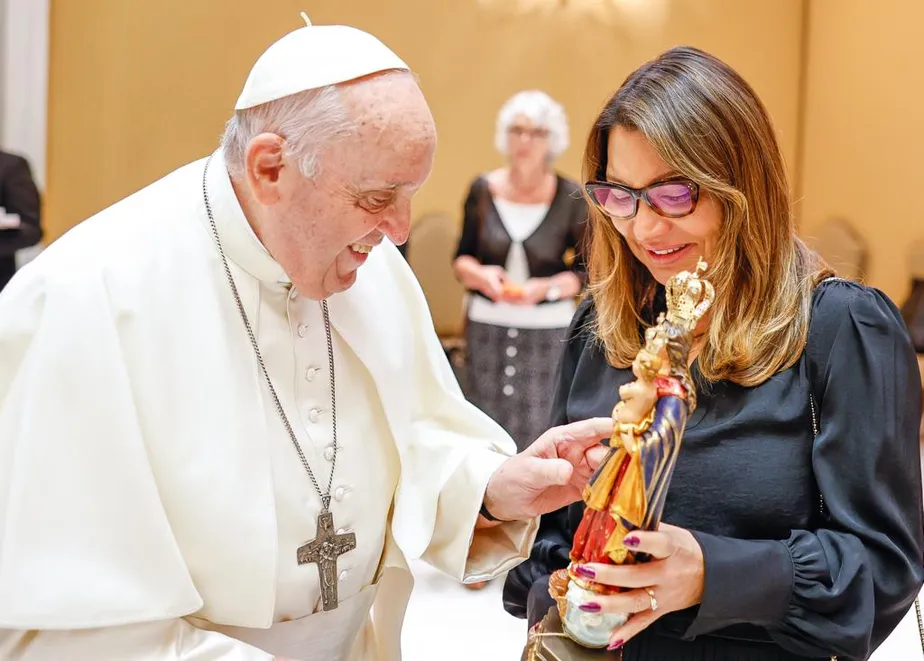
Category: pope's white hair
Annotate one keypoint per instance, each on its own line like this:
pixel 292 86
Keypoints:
pixel 308 121
pixel 542 110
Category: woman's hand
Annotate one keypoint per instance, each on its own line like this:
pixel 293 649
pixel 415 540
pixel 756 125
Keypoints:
pixel 489 280
pixel 534 291
pixel 671 581
pixel 475 276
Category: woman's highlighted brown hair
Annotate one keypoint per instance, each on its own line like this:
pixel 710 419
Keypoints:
pixel 709 125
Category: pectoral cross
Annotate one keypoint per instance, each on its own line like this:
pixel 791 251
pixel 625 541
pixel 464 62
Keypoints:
pixel 324 550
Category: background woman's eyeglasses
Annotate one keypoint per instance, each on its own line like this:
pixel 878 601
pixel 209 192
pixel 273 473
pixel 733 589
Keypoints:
pixel 534 133
pixel 674 198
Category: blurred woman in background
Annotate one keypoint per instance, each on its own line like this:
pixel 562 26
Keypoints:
pixel 521 224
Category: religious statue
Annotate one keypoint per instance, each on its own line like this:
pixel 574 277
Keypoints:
pixel 628 489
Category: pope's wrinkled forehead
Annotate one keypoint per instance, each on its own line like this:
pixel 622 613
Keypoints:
pixel 394 138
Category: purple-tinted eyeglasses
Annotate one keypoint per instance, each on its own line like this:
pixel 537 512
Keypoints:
pixel 672 198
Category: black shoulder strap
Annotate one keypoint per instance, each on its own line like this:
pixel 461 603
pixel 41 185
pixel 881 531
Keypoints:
pixel 813 403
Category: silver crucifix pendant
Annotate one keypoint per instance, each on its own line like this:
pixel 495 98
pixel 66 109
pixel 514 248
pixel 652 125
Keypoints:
pixel 324 550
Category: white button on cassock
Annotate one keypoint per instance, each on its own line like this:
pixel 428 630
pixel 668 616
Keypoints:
pixel 314 415
pixel 339 493
pixel 329 453
pixel 511 352
pixel 302 330
pixel 310 373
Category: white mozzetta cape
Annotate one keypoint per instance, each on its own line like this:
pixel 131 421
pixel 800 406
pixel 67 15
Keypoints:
pixel 137 493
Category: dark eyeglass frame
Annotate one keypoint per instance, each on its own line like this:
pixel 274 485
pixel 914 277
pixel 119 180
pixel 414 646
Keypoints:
pixel 535 133
pixel 642 194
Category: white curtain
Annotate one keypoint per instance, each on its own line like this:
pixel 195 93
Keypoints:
pixel 24 35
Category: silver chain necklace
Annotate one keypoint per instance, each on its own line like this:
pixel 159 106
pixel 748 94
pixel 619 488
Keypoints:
pixel 328 545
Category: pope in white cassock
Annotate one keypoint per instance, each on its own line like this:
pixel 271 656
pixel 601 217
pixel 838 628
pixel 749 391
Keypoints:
pixel 222 439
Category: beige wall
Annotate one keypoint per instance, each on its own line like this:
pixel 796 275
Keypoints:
pixel 863 138
pixel 139 88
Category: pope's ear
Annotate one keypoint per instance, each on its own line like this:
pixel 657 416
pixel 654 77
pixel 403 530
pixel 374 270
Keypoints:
pixel 263 166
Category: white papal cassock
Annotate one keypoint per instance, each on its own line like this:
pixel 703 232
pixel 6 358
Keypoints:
pixel 151 500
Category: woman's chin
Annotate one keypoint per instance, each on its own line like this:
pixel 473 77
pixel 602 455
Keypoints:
pixel 663 273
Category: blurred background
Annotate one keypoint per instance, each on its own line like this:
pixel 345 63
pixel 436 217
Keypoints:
pixel 104 96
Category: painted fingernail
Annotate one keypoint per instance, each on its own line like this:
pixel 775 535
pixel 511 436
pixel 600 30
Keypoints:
pixel 631 541
pixel 590 607
pixel 615 645
pixel 585 572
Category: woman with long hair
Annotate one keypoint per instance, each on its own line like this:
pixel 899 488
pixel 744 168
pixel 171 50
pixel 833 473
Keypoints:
pixel 793 523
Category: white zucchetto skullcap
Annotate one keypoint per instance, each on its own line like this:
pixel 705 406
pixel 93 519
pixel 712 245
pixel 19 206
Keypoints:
pixel 313 57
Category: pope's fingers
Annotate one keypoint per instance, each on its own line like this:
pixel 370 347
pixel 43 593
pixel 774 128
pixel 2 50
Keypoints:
pixel 658 545
pixel 595 456
pixel 585 432
pixel 546 472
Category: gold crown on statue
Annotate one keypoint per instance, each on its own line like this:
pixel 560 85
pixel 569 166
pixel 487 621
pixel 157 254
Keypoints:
pixel 688 297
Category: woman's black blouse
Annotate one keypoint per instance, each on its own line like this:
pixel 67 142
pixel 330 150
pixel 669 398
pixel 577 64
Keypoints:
pixel 782 579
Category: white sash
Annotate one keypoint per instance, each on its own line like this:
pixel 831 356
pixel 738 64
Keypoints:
pixel 343 634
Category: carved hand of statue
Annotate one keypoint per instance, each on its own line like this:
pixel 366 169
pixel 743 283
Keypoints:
pixel 675 578
pixel 636 401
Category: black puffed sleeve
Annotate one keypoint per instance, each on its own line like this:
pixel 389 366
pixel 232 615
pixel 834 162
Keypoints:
pixel 839 590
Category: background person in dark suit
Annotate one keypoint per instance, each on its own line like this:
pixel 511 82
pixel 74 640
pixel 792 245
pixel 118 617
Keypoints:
pixel 20 222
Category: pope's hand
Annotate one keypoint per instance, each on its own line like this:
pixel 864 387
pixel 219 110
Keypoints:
pixel 549 474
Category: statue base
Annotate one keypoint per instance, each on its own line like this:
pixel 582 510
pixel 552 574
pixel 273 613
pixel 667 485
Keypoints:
pixel 549 642
pixel 591 630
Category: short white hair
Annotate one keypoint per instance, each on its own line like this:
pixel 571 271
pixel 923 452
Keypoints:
pixel 308 121
pixel 543 111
